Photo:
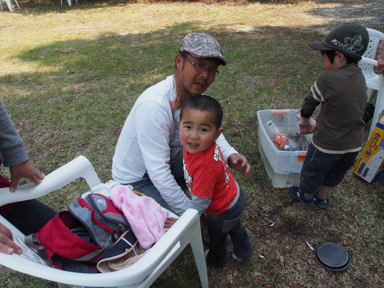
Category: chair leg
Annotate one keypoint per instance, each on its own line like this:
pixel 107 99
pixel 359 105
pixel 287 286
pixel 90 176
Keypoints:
pixel 1 6
pixel 198 253
pixel 17 4
pixel 9 3
pixel 379 108
pixel 68 286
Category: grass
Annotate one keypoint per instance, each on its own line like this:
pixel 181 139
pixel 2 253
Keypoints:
pixel 70 75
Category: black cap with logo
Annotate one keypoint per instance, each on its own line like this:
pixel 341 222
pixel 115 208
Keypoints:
pixel 349 38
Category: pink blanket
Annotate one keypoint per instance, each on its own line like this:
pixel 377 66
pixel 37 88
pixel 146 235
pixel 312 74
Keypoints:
pixel 143 214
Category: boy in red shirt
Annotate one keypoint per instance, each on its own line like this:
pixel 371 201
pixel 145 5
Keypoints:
pixel 212 186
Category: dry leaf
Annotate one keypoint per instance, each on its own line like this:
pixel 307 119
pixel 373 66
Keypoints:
pixel 256 276
pixel 350 242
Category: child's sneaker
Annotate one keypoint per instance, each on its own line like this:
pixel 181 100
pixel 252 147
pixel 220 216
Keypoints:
pixel 321 203
pixel 246 254
pixel 236 258
pixel 297 194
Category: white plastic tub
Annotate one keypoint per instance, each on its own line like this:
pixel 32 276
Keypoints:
pixel 283 167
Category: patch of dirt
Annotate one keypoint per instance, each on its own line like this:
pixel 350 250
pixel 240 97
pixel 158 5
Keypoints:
pixel 370 14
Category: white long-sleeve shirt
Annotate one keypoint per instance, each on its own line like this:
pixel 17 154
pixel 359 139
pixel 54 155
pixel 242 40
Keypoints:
pixel 150 140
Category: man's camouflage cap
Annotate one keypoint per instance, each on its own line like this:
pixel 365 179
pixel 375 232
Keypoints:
pixel 350 39
pixel 201 45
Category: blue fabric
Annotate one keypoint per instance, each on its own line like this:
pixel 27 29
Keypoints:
pixel 30 216
pixel 219 226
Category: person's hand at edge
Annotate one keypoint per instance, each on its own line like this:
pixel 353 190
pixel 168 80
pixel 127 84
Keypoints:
pixel 24 170
pixel 239 163
pixel 7 245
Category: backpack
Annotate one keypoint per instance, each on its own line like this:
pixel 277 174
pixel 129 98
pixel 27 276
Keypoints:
pixel 76 240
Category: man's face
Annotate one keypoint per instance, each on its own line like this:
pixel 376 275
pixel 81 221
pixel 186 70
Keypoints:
pixel 193 81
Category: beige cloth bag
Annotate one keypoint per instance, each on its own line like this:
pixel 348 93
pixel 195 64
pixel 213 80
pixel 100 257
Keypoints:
pixel 124 255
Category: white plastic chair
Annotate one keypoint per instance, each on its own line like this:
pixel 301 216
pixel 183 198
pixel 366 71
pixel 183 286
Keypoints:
pixel 9 4
pixel 372 79
pixel 69 2
pixel 141 274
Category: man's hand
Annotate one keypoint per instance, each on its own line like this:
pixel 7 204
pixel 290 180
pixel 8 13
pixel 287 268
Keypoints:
pixel 7 245
pixel 24 170
pixel 306 127
pixel 239 163
pixel 380 65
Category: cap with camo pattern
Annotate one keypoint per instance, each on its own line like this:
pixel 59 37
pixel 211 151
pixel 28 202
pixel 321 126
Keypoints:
pixel 201 45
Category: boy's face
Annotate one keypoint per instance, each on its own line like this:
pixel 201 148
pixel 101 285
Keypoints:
pixel 327 63
pixel 198 130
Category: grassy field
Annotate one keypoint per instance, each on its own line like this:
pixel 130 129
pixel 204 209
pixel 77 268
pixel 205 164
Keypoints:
pixel 70 75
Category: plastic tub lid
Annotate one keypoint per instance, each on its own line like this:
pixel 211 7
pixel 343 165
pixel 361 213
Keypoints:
pixel 332 256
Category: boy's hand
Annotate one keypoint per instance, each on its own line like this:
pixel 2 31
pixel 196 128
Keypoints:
pixel 306 127
pixel 169 222
pixel 239 163
pixel 175 104
pixel 24 170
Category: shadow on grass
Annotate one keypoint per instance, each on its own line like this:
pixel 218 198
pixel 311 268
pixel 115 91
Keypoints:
pixel 83 90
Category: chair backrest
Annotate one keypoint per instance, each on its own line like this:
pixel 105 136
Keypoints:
pixel 374 40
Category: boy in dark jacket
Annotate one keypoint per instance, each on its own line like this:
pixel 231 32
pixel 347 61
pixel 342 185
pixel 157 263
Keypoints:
pixel 338 133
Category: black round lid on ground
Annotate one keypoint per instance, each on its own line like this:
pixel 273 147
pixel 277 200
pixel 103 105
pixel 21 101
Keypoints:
pixel 332 256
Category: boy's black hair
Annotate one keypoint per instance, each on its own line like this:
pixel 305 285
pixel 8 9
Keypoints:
pixel 331 55
pixel 205 103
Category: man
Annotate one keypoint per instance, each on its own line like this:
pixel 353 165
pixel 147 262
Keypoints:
pixel 148 155
pixel 27 216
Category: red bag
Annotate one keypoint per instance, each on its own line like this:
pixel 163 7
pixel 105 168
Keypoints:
pixel 75 240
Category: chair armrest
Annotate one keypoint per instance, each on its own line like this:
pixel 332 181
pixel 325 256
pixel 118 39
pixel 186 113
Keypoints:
pixel 79 167
pixel 369 61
